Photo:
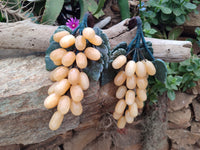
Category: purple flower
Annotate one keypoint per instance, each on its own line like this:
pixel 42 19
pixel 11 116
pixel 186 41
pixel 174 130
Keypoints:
pixel 72 23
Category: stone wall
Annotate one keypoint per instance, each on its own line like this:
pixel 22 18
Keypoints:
pixel 184 122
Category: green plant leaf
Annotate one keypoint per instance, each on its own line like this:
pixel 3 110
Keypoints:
pixel 180 20
pixel 100 6
pixel 176 1
pixel 155 21
pixel 165 17
pixel 185 62
pixel 175 33
pixel 166 10
pixel 147 25
pixel 197 72
pixel 161 70
pixel 52 10
pixel 189 5
pixel 124 9
pixel 89 5
pixel 189 68
pixel 171 95
pixel 177 11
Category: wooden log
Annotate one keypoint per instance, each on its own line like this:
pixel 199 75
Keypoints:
pixel 24 83
pixel 25 38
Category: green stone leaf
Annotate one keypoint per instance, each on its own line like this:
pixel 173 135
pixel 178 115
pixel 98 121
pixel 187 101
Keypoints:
pixel 190 5
pixel 94 69
pixel 171 95
pixel 108 75
pixel 104 37
pixel 117 52
pixel 51 11
pixel 166 10
pixel 104 52
pixel 120 45
pixel 49 63
pixel 175 33
pixel 161 70
pixel 104 48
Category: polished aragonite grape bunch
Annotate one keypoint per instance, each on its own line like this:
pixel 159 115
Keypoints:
pixel 69 75
pixel 134 64
pixel 132 83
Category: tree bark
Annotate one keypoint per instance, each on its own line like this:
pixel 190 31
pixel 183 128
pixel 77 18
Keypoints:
pixel 25 38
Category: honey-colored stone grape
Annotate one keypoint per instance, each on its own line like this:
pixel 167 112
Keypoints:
pixel 51 88
pixel 120 78
pixel 59 35
pixel 131 82
pixel 96 40
pixel 140 104
pixel 68 59
pixel 140 69
pixel 92 53
pixel 120 106
pixel 141 94
pixel 88 33
pixel 80 43
pixel 151 70
pixel 128 117
pixel 84 81
pixel 74 76
pixel 57 54
pixel 121 91
pixel 76 93
pixel 130 68
pixel 56 120
pixel 76 108
pixel 62 87
pixel 121 123
pixel 116 116
pixel 51 101
pixel 133 109
pixel 59 73
pixel 142 83
pixel 67 41
pixel 81 60
pixel 64 104
pixel 130 97
pixel 119 61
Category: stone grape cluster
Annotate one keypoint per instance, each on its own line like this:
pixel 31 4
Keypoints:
pixel 68 76
pixel 132 83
